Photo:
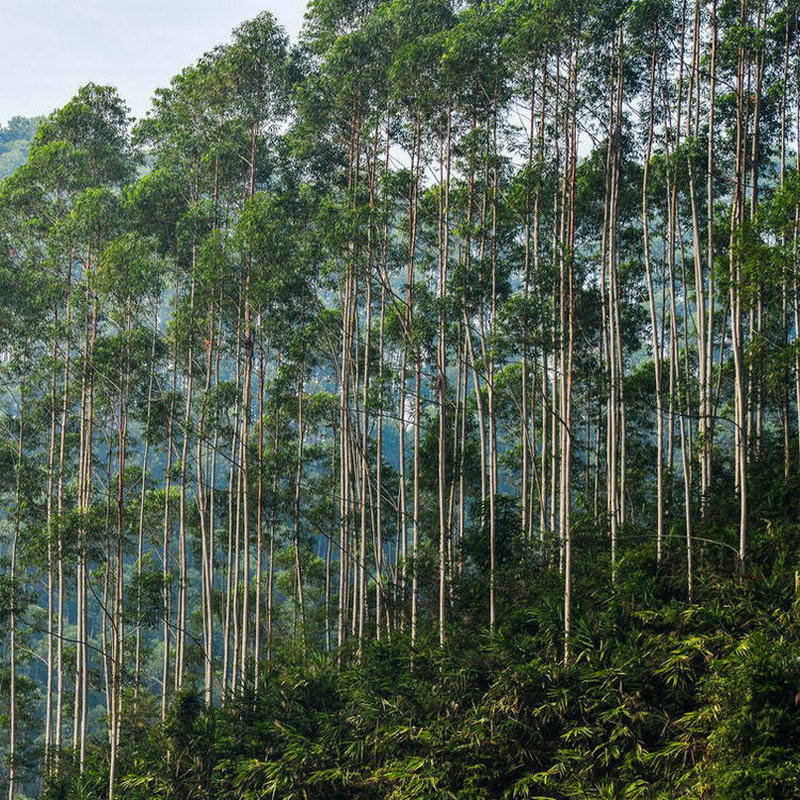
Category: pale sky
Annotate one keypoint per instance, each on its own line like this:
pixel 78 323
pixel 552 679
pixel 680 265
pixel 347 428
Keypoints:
pixel 49 48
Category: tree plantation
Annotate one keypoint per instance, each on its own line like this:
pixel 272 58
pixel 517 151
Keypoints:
pixel 411 411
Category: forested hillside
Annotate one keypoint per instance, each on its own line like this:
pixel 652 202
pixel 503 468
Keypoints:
pixel 411 411
pixel 15 139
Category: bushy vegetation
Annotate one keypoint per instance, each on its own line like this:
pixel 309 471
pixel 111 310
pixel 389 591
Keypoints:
pixel 663 699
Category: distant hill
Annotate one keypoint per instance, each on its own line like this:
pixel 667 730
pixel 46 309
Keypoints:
pixel 15 139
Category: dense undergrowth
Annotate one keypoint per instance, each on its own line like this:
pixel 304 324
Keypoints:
pixel 662 699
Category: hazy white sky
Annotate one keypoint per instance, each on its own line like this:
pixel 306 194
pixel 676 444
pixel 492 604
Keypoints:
pixel 49 48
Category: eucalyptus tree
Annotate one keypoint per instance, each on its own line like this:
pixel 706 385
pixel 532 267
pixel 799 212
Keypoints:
pixel 257 61
pixel 531 33
pixel 650 25
pixel 154 206
pixel 28 213
pixel 128 281
pixel 24 335
pixel 93 129
pixel 184 139
pixel 348 93
pixel 276 232
pixel 79 146
pixel 79 156
pixel 94 222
